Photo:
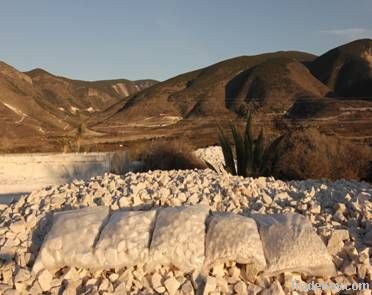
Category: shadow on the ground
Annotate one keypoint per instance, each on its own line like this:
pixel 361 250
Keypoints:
pixel 10 197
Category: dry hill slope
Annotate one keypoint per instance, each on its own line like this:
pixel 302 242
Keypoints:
pixel 282 88
pixel 83 96
pixel 39 104
pixel 347 69
pixel 274 85
pixel 21 113
pixel 196 94
pixel 285 89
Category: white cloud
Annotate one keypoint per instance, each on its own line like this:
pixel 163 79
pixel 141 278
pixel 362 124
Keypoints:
pixel 350 33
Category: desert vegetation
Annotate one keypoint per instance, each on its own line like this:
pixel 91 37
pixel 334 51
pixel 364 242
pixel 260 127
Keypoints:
pixel 304 154
pixel 37 106
pixel 166 155
pixel 72 144
pixel 80 132
pixel 252 157
pixel 120 163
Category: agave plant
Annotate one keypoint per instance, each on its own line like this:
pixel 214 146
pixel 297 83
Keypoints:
pixel 253 159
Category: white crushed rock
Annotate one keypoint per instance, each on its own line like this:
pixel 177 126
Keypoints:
pixel 124 240
pixel 212 155
pixel 70 239
pixel 331 207
pixel 178 237
pixel 291 245
pixel 232 237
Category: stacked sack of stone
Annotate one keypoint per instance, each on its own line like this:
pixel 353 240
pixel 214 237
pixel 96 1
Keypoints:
pixel 188 239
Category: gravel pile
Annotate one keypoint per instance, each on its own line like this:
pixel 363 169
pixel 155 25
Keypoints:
pixel 341 213
pixel 212 155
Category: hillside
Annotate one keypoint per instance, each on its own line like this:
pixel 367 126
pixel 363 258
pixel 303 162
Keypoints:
pixel 72 96
pixel 347 69
pixel 37 103
pixel 281 88
pixel 196 94
pixel 21 113
pixel 284 89
pixel 273 85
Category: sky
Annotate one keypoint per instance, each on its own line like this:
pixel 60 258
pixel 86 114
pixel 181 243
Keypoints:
pixel 158 39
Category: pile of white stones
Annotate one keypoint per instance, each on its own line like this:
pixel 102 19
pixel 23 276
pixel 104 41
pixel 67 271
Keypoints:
pixel 341 213
pixel 212 155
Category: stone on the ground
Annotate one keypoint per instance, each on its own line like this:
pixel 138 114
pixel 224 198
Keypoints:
pixel 291 245
pixel 70 240
pixel 172 285
pixel 329 206
pixel 178 237
pixel 125 239
pixel 336 242
pixel 232 237
pixel 210 285
pixel 45 279
pixel 275 289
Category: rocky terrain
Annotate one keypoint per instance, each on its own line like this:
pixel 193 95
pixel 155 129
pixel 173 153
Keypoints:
pixel 340 212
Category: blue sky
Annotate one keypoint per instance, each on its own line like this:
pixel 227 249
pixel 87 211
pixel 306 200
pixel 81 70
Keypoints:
pixel 159 39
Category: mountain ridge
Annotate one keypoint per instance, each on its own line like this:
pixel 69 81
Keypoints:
pixel 193 91
pixel 36 102
pixel 284 88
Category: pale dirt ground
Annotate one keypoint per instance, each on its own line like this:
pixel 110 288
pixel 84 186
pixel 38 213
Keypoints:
pixel 23 173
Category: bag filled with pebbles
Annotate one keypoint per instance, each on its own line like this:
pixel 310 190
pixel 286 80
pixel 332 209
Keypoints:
pixel 232 237
pixel 125 240
pixel 71 239
pixel 291 245
pixel 179 238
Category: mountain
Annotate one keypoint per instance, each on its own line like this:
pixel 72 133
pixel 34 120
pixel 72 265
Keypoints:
pixel 284 90
pixel 197 94
pixel 273 85
pixel 347 69
pixel 20 111
pixel 72 96
pixel 36 103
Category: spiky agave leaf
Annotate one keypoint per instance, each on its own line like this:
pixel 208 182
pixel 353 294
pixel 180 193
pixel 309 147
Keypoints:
pixel 241 161
pixel 210 166
pixel 258 153
pixel 251 155
pixel 248 134
pixel 248 145
pixel 227 152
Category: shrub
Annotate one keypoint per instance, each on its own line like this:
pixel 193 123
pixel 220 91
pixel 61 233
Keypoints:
pixel 166 155
pixel 80 132
pixel 253 159
pixel 305 154
pixel 119 163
